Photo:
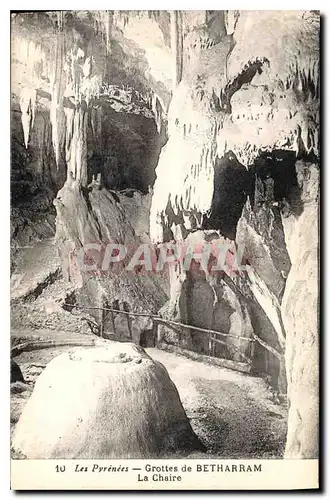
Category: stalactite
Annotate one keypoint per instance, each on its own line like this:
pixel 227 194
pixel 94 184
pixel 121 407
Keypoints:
pixel 28 100
pixel 96 121
pixel 180 46
pixel 77 151
pixel 231 18
pixel 108 29
pixel 36 61
pixel 69 114
pixel 176 46
pixel 57 115
pixel 38 143
pixel 76 74
pixel 105 19
pixel 60 18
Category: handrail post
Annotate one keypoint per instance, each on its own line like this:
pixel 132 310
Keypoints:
pixel 102 323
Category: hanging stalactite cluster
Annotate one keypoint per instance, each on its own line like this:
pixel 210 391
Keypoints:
pixel 268 99
pixel 66 63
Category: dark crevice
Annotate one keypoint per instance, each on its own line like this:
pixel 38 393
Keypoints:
pixel 127 154
pixel 85 192
pixel 246 76
pixel 274 182
pixel 232 185
pixel 70 301
pixel 51 278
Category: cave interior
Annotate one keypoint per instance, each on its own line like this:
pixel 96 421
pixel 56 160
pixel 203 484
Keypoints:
pixel 191 132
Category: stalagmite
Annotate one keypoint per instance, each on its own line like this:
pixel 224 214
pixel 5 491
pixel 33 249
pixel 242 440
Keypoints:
pixel 158 112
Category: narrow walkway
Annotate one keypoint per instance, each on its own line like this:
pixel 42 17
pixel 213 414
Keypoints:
pixel 232 413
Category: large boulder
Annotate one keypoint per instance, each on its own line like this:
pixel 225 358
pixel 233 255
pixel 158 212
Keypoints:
pixel 106 402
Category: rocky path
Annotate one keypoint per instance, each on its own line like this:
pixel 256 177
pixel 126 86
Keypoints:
pixel 232 413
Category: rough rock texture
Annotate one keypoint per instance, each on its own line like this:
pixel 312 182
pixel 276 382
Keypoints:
pixel 35 266
pixel 34 181
pixel 97 217
pixel 113 402
pixel 300 310
pixel 203 299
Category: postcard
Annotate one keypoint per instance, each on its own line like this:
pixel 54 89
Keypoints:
pixel 165 184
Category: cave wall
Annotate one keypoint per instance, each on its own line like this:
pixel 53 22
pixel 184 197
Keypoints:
pixel 35 180
pixel 300 311
pixel 259 97
pixel 100 216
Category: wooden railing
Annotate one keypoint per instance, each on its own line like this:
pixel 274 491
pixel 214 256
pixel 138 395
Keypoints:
pixel 213 335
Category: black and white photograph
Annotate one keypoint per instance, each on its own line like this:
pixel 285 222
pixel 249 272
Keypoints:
pixel 164 249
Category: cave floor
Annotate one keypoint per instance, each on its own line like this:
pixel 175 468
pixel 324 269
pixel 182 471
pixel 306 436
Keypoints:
pixel 232 413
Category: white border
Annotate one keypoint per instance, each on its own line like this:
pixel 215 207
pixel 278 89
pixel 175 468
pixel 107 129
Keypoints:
pixel 323 6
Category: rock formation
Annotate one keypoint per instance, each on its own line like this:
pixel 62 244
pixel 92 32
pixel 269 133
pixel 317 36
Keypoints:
pixel 188 127
pixel 113 402
pixel 300 308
